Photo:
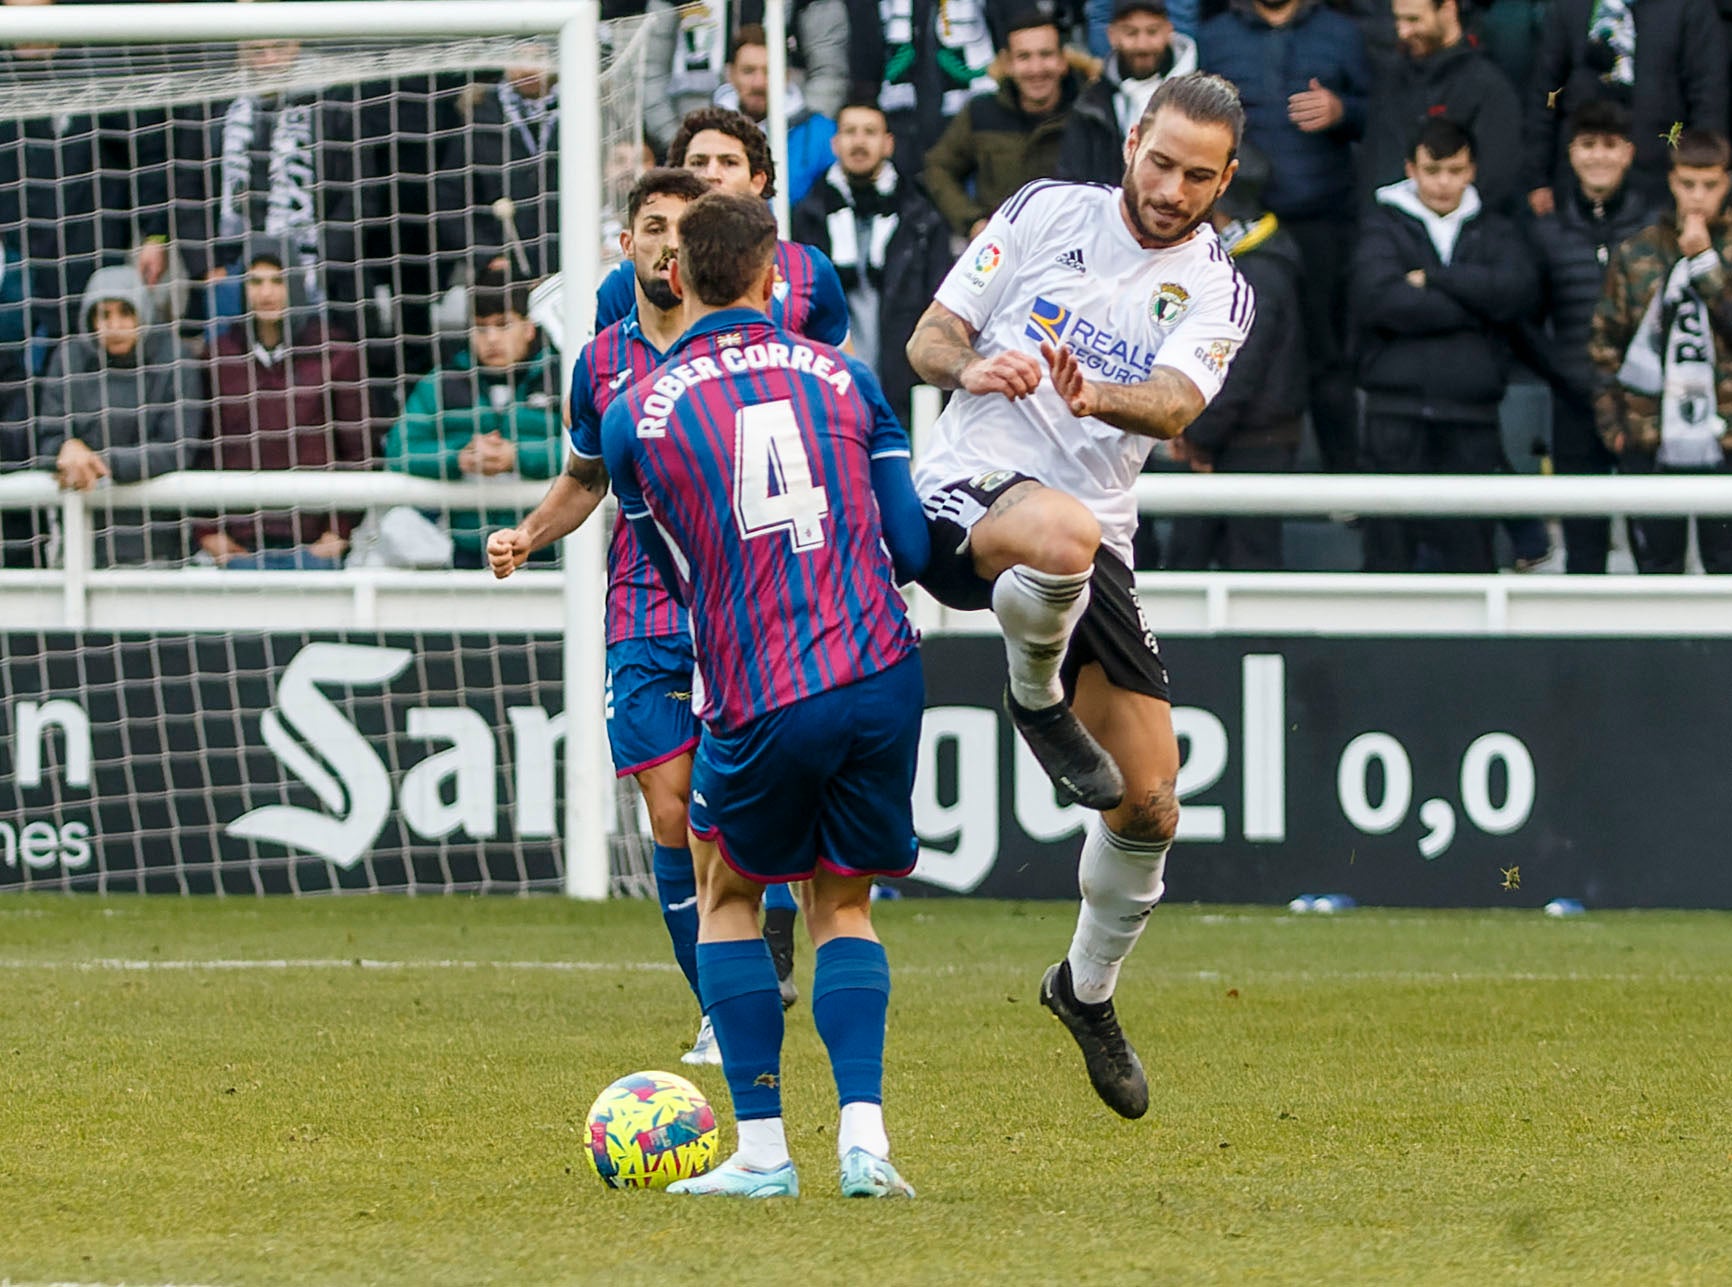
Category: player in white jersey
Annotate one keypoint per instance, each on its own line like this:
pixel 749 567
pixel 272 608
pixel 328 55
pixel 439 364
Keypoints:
pixel 1082 324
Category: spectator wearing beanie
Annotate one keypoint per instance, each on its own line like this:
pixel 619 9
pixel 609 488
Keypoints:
pixel 1145 50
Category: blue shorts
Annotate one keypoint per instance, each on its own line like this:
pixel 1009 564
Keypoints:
pixel 649 702
pixel 828 780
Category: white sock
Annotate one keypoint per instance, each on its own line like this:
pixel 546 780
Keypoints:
pixel 1121 883
pixel 763 1144
pixel 862 1127
pixel 1038 611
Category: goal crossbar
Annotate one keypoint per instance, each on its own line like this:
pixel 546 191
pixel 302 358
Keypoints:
pixel 290 20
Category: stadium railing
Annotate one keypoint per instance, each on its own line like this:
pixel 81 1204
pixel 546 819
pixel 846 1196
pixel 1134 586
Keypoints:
pixel 1181 602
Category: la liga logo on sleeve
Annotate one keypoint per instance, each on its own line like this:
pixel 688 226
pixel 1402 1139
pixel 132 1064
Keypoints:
pixel 985 263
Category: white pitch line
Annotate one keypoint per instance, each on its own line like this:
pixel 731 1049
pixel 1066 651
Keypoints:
pixel 1156 975
pixel 124 964
pixel 21 1282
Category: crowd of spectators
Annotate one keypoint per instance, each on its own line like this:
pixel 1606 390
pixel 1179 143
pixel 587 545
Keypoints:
pixel 1436 197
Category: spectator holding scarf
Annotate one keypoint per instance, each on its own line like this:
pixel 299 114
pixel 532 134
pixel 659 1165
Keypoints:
pixel 1663 321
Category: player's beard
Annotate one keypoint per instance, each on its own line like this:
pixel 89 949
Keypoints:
pixel 659 294
pixel 1133 200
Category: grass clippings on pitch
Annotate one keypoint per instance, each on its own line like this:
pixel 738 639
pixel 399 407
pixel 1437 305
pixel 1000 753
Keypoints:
pixel 392 1091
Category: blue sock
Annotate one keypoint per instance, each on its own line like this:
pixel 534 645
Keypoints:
pixel 738 989
pixel 677 892
pixel 850 997
pixel 779 898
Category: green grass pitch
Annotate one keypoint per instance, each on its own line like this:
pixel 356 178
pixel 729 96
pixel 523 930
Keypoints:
pixel 1376 1097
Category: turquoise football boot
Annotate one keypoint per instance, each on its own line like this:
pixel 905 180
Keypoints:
pixel 731 1180
pixel 865 1175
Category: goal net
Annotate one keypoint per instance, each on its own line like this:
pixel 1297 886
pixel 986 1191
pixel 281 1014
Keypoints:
pixel 271 369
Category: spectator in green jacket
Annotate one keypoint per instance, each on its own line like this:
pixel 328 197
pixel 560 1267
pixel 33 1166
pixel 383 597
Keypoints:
pixel 494 410
pixel 1002 140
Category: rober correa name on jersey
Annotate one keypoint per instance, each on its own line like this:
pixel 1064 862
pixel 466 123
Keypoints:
pixel 671 385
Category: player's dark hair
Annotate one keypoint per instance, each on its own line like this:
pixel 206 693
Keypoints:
pixel 663 181
pixel 726 244
pixel 1599 116
pixel 1441 138
pixel 1701 150
pixel 1203 97
pixel 736 125
pixel 747 36
pixel 495 295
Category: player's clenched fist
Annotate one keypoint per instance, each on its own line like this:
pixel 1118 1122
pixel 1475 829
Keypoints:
pixel 1014 374
pixel 506 551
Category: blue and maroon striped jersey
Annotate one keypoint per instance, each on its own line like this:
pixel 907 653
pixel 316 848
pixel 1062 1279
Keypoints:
pixel 751 449
pixel 638 604
pixel 808 299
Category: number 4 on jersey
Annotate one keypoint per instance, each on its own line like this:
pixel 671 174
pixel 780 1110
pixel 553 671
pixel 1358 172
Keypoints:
pixel 773 487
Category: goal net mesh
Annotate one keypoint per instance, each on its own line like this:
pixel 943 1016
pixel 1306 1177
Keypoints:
pixel 295 256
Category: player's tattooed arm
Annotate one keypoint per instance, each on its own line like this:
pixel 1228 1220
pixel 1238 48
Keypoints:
pixel 942 353
pixel 590 474
pixel 1161 406
pixel 574 496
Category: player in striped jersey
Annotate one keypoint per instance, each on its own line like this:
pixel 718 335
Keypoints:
pixel 650 725
pixel 728 151
pixel 1084 323
pixel 768 478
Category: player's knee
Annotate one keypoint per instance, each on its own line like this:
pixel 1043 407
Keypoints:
pixel 667 819
pixel 1044 529
pixel 835 907
pixel 1066 539
pixel 1152 817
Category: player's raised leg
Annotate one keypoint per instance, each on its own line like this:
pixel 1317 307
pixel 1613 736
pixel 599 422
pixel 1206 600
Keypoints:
pixel 1124 859
pixel 738 984
pixel 1036 547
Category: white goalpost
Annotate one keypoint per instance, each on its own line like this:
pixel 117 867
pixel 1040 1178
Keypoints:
pixel 354 756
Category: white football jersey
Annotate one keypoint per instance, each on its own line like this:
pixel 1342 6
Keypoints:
pixel 1057 264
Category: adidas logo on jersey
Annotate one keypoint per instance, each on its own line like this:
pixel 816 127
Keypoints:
pixel 1073 260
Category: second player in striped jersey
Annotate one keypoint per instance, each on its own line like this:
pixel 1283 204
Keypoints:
pixel 728 151
pixel 769 479
pixel 650 724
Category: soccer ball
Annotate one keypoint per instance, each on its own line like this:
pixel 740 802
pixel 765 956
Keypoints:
pixel 650 1129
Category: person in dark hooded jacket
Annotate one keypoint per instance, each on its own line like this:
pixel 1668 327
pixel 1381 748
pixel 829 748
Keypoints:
pixel 286 394
pixel 1438 72
pixel 1145 50
pixel 1439 285
pixel 1253 426
pixel 122 401
pixel 1598 210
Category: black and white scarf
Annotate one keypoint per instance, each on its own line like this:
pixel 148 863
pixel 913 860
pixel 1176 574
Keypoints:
pixel 1671 357
pixel 1614 25
pixel 291 210
pixel 533 119
pixel 845 201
